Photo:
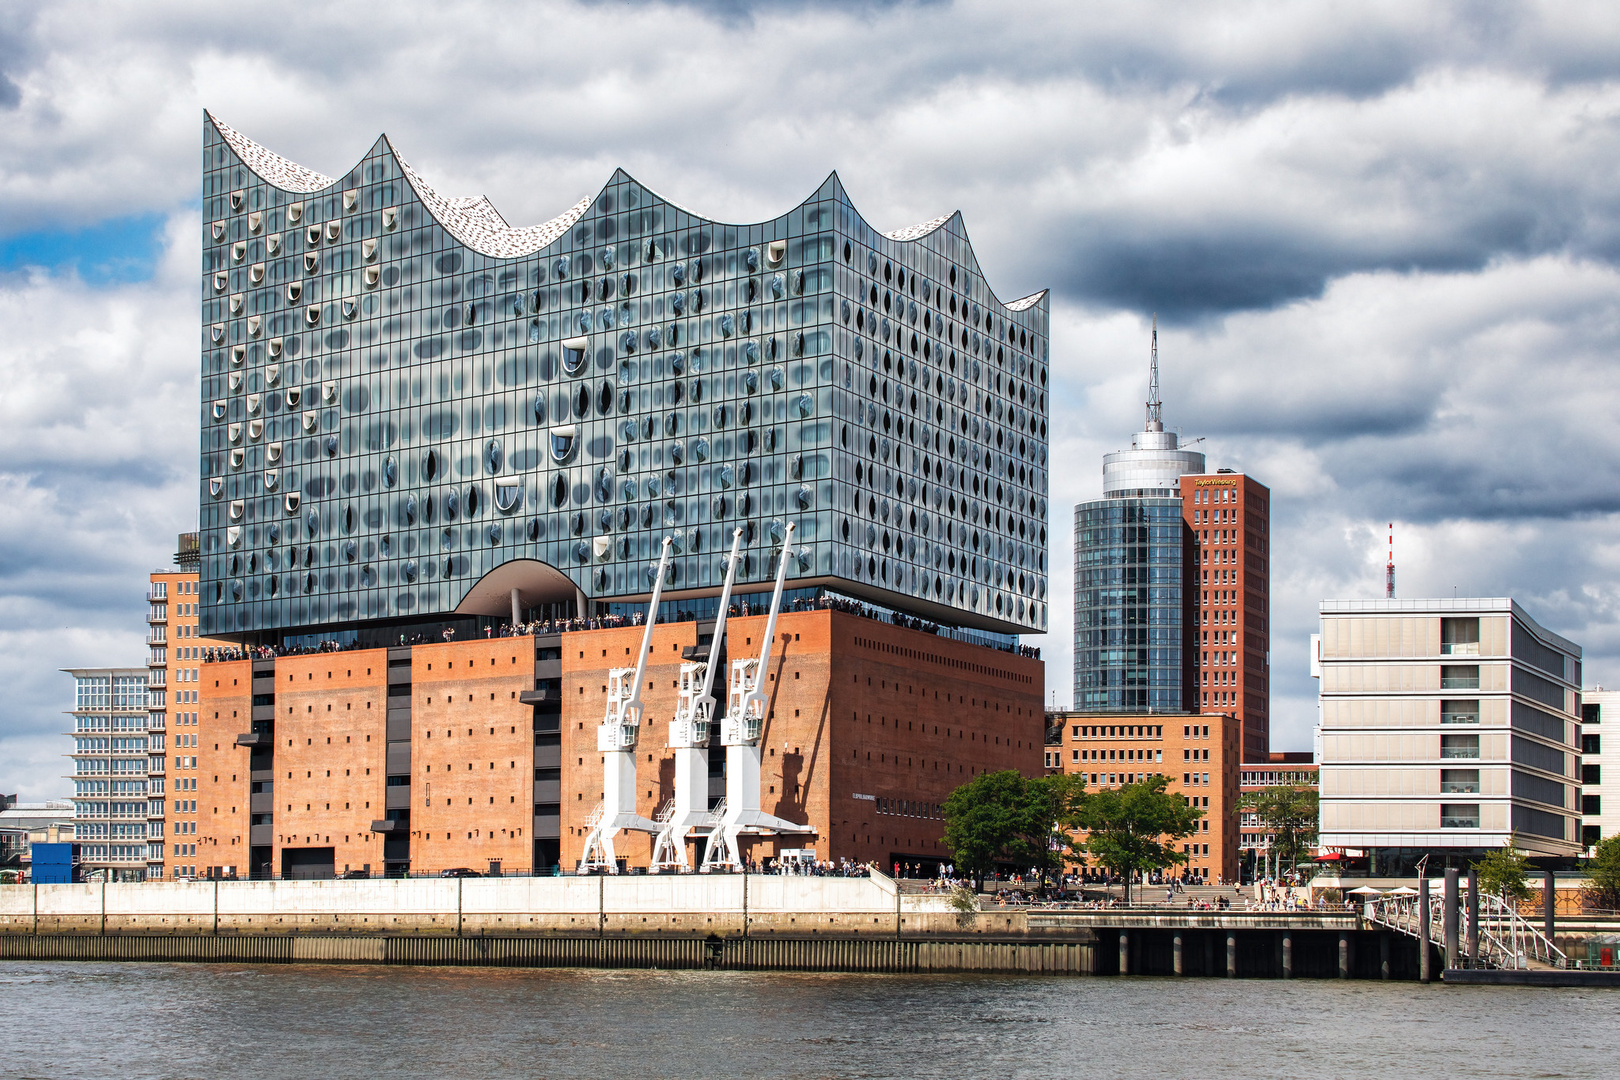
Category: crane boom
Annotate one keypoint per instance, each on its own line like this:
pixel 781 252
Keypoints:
pixel 747 705
pixel 689 740
pixel 707 693
pixel 755 700
pixel 622 724
pixel 616 738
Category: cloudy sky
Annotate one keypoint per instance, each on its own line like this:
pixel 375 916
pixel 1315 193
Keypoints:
pixel 1382 240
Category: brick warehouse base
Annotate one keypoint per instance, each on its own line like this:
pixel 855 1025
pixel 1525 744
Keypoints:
pixel 483 753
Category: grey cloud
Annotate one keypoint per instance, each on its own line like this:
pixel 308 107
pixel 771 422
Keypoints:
pixel 744 11
pixel 15 34
pixel 1380 236
pixel 823 85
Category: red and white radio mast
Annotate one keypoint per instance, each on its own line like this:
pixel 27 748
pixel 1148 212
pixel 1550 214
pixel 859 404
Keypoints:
pixel 1389 567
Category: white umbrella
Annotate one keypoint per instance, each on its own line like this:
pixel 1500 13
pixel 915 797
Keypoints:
pixel 1366 890
pixel 1404 890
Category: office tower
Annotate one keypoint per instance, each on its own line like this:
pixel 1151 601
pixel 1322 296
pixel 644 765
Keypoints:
pixel 174 659
pixel 1229 516
pixel 1132 555
pixel 109 771
pixel 1449 727
pixel 1172 585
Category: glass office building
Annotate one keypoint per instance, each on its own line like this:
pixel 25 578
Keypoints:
pixel 1130 606
pixel 1132 555
pixel 412 411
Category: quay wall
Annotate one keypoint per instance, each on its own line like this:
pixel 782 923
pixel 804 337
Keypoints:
pixel 686 905
pixel 867 954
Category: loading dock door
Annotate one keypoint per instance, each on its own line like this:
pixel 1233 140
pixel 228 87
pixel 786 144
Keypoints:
pixel 308 864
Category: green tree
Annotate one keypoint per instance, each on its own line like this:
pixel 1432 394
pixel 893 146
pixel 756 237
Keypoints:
pixel 1131 829
pixel 1289 815
pixel 1603 873
pixel 1006 817
pixel 1502 873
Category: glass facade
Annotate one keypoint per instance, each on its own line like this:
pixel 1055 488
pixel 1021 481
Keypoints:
pixel 1130 558
pixel 401 395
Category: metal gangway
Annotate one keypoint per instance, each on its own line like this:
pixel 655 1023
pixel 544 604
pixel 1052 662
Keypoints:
pixel 689 730
pixel 616 738
pixel 746 704
pixel 1505 938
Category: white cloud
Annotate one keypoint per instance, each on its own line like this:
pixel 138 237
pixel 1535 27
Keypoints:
pixel 1380 236
pixel 1469 408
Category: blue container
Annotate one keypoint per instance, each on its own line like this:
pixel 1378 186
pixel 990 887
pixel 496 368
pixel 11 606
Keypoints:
pixel 53 864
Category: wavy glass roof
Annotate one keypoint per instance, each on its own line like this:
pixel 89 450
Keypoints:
pixel 411 407
pixel 473 219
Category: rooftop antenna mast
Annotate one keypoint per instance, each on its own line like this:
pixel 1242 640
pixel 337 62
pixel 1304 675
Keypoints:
pixel 1389 567
pixel 1155 415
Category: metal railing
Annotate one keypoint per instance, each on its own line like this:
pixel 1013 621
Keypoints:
pixel 717 814
pixel 1506 938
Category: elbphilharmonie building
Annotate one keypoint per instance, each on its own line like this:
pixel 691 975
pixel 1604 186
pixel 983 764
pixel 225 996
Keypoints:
pixel 411 409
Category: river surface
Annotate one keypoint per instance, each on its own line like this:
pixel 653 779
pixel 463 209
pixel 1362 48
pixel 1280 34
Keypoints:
pixel 265 1022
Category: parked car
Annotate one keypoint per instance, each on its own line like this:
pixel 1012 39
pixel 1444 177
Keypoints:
pixel 348 875
pixel 460 871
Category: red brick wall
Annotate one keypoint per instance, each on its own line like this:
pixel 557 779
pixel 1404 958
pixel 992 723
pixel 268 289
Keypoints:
pixel 472 755
pixel 225 706
pixel 914 717
pixel 587 656
pixel 330 755
pixel 856 707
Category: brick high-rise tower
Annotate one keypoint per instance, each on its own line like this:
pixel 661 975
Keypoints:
pixel 1230 582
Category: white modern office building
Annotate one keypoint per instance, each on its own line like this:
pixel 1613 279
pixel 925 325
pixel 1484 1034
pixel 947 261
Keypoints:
pixel 109 775
pixel 1600 771
pixel 1449 727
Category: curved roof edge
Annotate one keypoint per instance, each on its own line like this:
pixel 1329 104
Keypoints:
pixel 285 174
pixel 920 230
pixel 474 221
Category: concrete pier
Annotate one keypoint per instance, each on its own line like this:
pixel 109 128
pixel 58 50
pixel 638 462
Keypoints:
pixel 310 921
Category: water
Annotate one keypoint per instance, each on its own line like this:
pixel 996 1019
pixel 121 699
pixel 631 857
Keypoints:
pixel 200 1021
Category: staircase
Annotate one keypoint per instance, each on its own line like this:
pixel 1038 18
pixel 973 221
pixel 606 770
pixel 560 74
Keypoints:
pixel 1506 938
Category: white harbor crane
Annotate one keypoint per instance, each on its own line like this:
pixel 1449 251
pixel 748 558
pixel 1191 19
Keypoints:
pixel 689 738
pixel 616 739
pixel 746 704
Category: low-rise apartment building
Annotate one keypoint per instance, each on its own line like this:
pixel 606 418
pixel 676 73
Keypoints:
pixel 1198 753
